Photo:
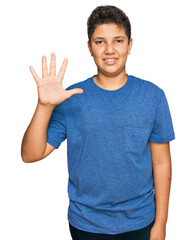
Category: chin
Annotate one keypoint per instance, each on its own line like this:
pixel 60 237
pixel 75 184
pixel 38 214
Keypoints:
pixel 111 73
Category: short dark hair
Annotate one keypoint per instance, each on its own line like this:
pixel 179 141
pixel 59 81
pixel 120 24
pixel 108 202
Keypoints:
pixel 108 14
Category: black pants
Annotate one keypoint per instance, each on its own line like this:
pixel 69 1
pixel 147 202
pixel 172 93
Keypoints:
pixel 141 234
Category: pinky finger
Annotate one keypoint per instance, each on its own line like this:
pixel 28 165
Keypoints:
pixel 36 77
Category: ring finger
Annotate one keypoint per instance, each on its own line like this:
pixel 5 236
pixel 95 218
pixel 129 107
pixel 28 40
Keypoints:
pixel 44 67
pixel 53 65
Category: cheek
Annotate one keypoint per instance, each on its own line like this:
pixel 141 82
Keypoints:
pixel 97 59
pixel 97 51
pixel 124 52
pixel 97 56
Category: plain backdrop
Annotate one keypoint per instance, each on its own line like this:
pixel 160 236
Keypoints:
pixel 33 196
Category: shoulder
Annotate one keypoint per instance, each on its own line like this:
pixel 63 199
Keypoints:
pixel 82 84
pixel 77 98
pixel 147 87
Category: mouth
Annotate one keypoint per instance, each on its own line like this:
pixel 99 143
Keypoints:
pixel 110 60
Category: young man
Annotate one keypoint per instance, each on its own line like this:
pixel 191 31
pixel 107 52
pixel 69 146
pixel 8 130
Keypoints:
pixel 118 129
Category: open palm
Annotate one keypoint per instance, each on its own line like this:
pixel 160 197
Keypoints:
pixel 50 89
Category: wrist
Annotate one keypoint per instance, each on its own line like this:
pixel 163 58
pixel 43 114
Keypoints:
pixel 45 110
pixel 46 106
pixel 161 222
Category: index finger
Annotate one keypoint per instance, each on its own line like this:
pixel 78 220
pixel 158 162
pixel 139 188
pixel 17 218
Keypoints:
pixel 63 68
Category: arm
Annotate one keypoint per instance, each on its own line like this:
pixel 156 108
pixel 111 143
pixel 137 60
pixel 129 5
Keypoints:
pixel 34 144
pixel 50 94
pixel 161 162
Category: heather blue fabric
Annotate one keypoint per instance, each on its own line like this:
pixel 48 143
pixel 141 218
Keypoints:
pixel 108 136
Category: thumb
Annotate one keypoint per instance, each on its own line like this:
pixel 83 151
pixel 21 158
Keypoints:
pixel 74 91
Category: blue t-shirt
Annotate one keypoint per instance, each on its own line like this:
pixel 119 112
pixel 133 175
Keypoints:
pixel 108 136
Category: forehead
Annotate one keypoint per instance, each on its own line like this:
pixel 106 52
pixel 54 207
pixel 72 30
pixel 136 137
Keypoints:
pixel 108 30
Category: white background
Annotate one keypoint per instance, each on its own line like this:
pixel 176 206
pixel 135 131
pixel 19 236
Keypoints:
pixel 34 199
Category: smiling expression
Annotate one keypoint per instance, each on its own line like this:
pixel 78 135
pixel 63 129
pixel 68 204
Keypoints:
pixel 110 48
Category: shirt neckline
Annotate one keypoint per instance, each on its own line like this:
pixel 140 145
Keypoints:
pixel 98 88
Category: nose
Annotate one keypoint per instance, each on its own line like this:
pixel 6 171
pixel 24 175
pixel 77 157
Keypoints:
pixel 109 49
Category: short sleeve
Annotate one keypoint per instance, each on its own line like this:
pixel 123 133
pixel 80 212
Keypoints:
pixel 56 132
pixel 163 130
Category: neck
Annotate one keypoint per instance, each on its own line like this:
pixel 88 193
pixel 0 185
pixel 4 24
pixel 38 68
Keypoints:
pixel 110 82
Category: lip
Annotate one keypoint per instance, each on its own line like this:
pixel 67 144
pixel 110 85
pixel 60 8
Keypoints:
pixel 110 61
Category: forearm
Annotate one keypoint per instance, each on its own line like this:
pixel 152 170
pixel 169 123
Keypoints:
pixel 35 138
pixel 162 182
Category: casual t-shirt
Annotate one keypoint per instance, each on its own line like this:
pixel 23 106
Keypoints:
pixel 108 136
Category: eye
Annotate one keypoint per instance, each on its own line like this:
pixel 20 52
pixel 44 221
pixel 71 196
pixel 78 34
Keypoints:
pixel 119 41
pixel 99 42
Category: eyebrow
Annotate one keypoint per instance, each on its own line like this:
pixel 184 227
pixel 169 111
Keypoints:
pixel 114 37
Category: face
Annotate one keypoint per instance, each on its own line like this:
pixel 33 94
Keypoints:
pixel 110 48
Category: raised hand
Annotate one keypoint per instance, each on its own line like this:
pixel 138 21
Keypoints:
pixel 50 89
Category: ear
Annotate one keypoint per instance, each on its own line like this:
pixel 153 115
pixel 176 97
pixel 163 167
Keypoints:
pixel 90 49
pixel 130 45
